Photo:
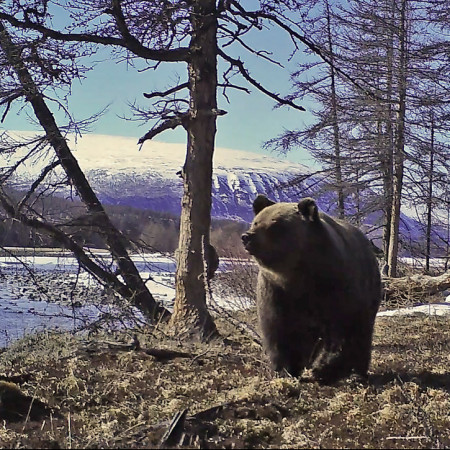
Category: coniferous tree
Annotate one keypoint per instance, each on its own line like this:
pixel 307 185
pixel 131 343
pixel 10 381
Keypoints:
pixel 390 55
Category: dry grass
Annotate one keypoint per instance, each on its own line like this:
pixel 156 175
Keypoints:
pixel 112 398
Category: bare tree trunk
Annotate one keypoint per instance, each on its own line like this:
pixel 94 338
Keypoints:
pixel 399 155
pixel 337 145
pixel 430 197
pixel 190 313
pixel 388 153
pixel 139 294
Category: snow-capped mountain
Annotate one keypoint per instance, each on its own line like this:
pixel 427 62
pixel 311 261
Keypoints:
pixel 122 173
pixel 148 178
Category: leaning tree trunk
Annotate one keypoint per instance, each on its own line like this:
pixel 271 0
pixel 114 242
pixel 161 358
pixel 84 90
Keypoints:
pixel 190 313
pixel 139 294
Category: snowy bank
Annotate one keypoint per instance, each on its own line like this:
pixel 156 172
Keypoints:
pixel 431 309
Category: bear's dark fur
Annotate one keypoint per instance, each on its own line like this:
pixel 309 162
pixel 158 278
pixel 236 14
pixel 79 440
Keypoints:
pixel 318 291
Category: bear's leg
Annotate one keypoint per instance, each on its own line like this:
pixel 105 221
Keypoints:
pixel 292 351
pixel 289 357
pixel 334 363
pixel 282 361
pixel 332 366
pixel 359 348
pixel 351 355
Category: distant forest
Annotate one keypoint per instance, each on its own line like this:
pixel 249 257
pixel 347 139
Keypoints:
pixel 146 229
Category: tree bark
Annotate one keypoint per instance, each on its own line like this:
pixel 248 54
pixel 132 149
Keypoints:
pixel 139 294
pixel 334 112
pixel 388 150
pixel 190 313
pixel 399 155
pixel 430 196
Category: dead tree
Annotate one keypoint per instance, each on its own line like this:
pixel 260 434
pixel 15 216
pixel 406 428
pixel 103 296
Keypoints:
pixel 416 288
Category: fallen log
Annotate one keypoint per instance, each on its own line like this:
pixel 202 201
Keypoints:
pixel 414 288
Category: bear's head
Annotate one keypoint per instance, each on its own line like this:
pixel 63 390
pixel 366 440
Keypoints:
pixel 280 232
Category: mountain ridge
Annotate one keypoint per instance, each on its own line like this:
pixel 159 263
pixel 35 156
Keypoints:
pixel 121 173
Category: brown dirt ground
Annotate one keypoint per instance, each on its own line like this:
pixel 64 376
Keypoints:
pixel 112 398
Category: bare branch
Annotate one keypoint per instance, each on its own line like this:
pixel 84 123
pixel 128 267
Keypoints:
pixel 131 44
pixel 243 71
pixel 8 99
pixel 37 143
pixel 260 53
pixel 168 92
pixel 180 119
pixel 37 182
pixel 234 86
pixel 231 86
pixel 171 123
pixel 310 44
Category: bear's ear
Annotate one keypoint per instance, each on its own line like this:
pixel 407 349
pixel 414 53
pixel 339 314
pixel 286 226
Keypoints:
pixel 260 203
pixel 308 209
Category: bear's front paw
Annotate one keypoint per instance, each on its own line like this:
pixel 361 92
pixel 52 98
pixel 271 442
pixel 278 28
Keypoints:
pixel 286 369
pixel 332 372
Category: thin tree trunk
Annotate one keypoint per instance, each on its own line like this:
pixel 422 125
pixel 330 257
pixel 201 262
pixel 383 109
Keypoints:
pixel 430 197
pixel 140 296
pixel 399 155
pixel 190 313
pixel 334 106
pixel 447 244
pixel 388 175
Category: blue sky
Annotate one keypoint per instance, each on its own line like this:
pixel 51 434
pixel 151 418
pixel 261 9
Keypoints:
pixel 251 119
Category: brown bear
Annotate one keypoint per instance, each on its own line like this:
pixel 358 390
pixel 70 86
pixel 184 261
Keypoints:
pixel 318 290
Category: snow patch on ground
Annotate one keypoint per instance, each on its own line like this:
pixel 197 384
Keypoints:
pixel 431 309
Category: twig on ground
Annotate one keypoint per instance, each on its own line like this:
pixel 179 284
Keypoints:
pixel 175 433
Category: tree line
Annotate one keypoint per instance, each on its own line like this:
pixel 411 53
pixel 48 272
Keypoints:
pixel 384 139
pixel 145 230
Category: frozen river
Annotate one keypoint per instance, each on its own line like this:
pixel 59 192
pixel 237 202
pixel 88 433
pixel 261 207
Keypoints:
pixel 23 308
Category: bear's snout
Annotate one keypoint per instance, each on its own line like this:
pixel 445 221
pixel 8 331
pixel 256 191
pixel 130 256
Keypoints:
pixel 247 240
